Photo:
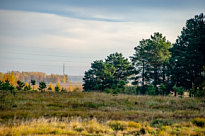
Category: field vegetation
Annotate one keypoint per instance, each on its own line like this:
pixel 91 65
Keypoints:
pixel 100 113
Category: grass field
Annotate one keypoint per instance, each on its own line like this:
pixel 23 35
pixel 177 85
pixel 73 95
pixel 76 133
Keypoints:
pixel 73 112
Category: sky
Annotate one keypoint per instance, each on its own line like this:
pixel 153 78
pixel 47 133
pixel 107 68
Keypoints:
pixel 42 35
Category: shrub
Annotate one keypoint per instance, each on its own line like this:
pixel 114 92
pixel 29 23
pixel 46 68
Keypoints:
pixel 63 89
pixel 179 90
pixel 118 125
pixel 199 122
pixel 151 90
pixel 76 89
pixel 57 87
pixel 134 124
pixel 107 90
pixel 199 93
pixel 115 91
pixel 92 105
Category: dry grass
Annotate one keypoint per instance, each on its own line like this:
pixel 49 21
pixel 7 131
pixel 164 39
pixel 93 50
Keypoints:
pixel 156 110
pixel 78 126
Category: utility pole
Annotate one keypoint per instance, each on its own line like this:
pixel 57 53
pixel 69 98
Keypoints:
pixel 63 68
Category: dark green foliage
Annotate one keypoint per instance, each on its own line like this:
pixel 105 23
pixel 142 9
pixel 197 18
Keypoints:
pixel 1 85
pixel 191 92
pixel 57 88
pixel 121 86
pixel 151 90
pixel 188 57
pixel 6 85
pixel 107 90
pixel 162 89
pixel 63 89
pixel 200 93
pixel 150 58
pixel 14 91
pixel 115 91
pixel 33 82
pixel 42 86
pixel 20 85
pixel 108 73
pixel 27 88
pixel 179 90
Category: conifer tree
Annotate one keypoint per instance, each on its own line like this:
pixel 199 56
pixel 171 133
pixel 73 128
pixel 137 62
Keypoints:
pixel 33 82
pixel 42 86
pixel 149 59
pixel 188 55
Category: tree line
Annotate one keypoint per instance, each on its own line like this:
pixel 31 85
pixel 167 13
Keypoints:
pixel 8 86
pixel 38 77
pixel 157 66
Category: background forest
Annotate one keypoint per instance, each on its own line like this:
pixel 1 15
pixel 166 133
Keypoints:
pixel 39 77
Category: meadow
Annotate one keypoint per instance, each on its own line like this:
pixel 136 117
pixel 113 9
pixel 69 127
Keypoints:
pixel 94 113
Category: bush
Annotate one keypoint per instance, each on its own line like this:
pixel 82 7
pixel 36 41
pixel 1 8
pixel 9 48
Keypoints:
pixel 179 90
pixel 199 93
pixel 151 90
pixel 199 122
pixel 63 89
pixel 134 124
pixel 107 90
pixel 118 125
pixel 115 91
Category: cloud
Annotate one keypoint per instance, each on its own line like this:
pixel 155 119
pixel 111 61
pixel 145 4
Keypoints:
pixel 75 37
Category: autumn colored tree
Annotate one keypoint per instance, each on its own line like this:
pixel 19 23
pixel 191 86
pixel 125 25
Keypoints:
pixel 57 87
pixel 27 87
pixel 50 87
pixel 70 87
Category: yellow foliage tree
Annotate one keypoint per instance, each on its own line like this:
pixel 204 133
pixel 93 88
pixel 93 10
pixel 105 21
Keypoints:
pixel 26 84
pixel 70 87
pixel 10 76
pixel 58 87
pixel 50 87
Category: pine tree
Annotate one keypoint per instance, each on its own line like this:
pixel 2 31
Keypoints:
pixel 188 57
pixel 33 82
pixel 42 86
pixel 108 73
pixel 149 59
pixel 20 85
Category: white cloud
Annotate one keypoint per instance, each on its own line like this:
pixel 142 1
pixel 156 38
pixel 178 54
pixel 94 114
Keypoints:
pixel 30 29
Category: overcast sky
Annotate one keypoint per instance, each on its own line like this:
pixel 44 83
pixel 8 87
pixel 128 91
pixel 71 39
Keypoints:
pixel 41 35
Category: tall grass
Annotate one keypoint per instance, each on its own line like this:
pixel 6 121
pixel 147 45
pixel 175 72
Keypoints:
pixel 79 126
pixel 157 110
